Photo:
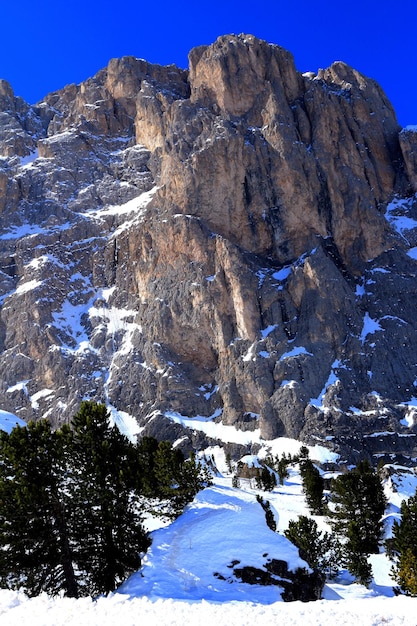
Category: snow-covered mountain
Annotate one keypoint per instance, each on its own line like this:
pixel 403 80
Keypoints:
pixel 229 249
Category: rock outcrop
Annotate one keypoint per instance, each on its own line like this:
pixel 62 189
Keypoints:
pixel 301 585
pixel 231 244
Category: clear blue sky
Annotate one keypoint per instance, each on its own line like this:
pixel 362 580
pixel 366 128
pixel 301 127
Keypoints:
pixel 47 44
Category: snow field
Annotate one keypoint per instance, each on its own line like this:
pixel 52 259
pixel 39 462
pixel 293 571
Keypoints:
pixel 119 610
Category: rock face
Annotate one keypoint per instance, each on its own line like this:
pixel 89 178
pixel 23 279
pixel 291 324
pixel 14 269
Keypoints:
pixel 235 243
pixel 300 585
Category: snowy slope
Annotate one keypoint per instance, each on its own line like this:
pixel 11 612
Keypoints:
pixel 8 421
pixel 222 526
pixel 176 583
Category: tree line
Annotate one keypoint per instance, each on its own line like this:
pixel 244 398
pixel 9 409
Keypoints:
pixel 354 507
pixel 73 500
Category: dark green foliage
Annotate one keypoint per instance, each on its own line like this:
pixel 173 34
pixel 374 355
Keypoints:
pixel 107 527
pixel 313 487
pixel 280 465
pixel 359 567
pixel 282 469
pixel 265 479
pixel 176 479
pixel 167 467
pixel 303 454
pixel 235 481
pixel 71 502
pixel 320 550
pixel 402 548
pixel 269 516
pixel 191 479
pixel 36 554
pixel 359 503
pixel 146 480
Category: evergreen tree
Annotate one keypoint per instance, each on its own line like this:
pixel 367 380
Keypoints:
pixel 313 486
pixel 269 516
pixel 178 480
pixel 70 516
pixel 320 550
pixel 235 481
pixel 359 503
pixel 282 468
pixel 167 468
pixel 35 545
pixel 402 548
pixel 303 454
pixel 405 574
pixel 265 479
pixel 146 480
pixel 358 565
pixel 192 478
pixel 107 522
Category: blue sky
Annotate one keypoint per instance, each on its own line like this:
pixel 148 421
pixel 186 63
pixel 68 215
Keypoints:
pixel 46 45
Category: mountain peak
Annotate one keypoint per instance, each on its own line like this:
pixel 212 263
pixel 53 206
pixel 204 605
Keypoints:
pixel 224 253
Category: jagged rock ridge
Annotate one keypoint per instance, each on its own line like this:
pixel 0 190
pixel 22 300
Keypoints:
pixel 235 241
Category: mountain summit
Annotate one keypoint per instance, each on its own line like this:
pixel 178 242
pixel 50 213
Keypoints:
pixel 234 245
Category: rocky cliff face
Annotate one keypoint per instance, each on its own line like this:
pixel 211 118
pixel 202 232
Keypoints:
pixel 234 245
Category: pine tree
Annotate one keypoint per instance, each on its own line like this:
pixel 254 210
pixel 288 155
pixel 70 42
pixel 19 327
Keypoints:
pixel 70 516
pixel 167 468
pixel 192 478
pixel 358 565
pixel 405 574
pixel 282 468
pixel 265 479
pixel 146 480
pixel 320 550
pixel 303 454
pixel 269 516
pixel 313 486
pixel 359 503
pixel 178 480
pixel 402 548
pixel 36 552
pixel 235 481
pixel 107 523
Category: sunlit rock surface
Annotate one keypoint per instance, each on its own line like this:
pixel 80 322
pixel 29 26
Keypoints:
pixel 233 245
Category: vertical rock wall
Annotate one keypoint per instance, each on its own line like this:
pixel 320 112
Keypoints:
pixel 213 245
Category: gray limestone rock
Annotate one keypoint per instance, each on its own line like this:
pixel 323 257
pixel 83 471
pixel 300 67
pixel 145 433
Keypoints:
pixel 234 245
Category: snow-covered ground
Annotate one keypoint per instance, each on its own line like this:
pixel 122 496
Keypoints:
pixel 176 584
pixel 120 610
pixel 9 420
